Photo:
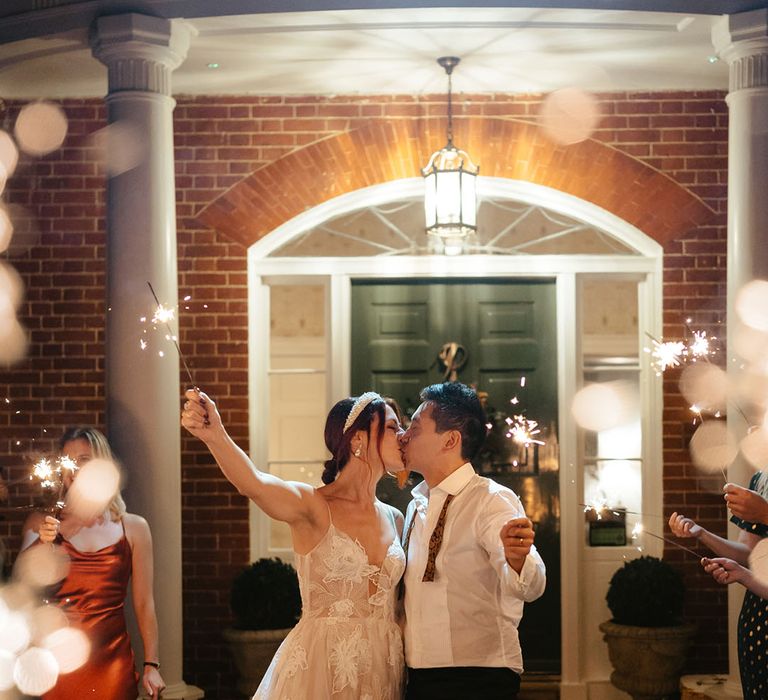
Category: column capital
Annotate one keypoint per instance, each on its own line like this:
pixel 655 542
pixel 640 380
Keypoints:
pixel 140 51
pixel 742 41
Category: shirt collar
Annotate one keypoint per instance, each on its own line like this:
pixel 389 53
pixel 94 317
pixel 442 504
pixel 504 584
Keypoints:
pixel 453 484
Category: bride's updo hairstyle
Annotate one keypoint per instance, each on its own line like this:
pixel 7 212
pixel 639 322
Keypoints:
pixel 338 440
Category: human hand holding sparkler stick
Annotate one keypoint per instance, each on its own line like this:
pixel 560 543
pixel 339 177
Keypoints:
pixel 745 504
pixel 163 315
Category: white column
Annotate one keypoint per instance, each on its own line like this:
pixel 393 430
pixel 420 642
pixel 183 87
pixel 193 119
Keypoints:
pixel 142 387
pixel 742 41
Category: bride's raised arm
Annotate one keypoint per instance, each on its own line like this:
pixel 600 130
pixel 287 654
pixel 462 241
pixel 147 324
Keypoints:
pixel 288 501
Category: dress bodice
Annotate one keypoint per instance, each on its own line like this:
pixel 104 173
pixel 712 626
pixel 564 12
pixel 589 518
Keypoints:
pixel 338 581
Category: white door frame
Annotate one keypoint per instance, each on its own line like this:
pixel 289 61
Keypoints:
pixel 337 274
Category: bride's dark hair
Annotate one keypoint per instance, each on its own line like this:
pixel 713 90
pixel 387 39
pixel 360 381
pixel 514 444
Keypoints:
pixel 338 441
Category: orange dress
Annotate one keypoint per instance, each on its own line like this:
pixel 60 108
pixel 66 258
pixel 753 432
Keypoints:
pixel 93 596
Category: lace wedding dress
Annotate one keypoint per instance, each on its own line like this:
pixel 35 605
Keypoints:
pixel 347 644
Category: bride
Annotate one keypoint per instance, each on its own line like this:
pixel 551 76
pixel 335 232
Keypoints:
pixel 347 643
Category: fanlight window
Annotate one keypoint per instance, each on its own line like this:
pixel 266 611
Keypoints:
pixel 504 227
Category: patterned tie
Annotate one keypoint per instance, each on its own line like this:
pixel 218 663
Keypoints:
pixel 435 541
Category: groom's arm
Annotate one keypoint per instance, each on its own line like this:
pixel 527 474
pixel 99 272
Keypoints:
pixel 522 577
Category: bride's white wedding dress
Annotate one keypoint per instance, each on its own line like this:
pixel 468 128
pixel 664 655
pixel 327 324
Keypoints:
pixel 347 644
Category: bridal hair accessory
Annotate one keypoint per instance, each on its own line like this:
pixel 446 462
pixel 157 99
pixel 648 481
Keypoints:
pixel 358 407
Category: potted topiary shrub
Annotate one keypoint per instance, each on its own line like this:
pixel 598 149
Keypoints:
pixel 266 603
pixel 647 640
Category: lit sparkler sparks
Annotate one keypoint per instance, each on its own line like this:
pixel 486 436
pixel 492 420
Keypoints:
pixel 522 431
pixel 51 477
pixel 666 354
pixel 700 345
pixel 164 315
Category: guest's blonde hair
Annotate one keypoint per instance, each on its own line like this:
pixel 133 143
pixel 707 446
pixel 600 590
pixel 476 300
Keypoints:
pixel 101 449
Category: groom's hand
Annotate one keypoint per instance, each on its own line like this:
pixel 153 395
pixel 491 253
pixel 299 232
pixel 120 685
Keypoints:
pixel 516 538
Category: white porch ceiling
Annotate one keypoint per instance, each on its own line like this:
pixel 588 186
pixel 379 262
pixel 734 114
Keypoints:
pixel 380 51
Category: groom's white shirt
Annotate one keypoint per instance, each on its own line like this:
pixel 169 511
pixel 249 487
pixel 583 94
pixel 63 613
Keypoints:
pixel 468 615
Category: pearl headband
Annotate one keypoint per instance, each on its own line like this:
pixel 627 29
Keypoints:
pixel 358 407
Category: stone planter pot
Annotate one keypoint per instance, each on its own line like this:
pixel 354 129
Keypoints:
pixel 252 651
pixel 647 661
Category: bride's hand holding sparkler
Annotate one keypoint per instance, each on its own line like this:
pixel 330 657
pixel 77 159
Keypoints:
pixel 745 504
pixel 49 529
pixel 684 527
pixel 200 416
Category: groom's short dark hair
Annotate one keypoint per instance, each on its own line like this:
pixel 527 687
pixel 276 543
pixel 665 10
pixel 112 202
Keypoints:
pixel 456 406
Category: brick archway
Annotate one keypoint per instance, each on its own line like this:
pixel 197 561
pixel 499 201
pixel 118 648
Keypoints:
pixel 385 150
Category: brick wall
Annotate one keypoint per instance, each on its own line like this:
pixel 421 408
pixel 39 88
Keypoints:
pixel 220 141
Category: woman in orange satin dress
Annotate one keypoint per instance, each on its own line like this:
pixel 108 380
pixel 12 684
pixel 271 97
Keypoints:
pixel 105 556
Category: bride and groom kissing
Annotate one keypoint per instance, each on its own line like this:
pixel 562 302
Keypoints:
pixel 425 606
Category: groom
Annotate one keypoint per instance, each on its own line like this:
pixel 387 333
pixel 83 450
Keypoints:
pixel 471 560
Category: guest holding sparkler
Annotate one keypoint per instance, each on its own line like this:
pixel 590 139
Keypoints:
pixel 105 553
pixel 731 566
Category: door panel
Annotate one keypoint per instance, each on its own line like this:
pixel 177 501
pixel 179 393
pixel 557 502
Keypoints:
pixel 508 332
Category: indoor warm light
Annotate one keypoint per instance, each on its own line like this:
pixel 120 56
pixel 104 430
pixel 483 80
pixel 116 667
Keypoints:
pixel 450 197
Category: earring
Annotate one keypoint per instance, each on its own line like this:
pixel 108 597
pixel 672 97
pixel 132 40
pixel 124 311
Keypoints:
pixel 357 452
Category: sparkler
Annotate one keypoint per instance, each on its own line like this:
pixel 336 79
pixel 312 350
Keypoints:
pixel 522 431
pixel 673 353
pixel 600 506
pixel 638 530
pixel 165 315
pixel 51 477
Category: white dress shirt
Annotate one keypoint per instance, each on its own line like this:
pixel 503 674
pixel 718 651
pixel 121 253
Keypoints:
pixel 468 615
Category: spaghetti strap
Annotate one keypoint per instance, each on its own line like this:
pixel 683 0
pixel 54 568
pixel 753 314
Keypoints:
pixel 328 506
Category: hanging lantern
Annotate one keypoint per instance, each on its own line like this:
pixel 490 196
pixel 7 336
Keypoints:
pixel 450 195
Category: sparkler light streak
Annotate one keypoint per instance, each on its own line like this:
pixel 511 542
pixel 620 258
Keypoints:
pixel 51 477
pixel 522 431
pixel 638 530
pixel 673 353
pixel 165 315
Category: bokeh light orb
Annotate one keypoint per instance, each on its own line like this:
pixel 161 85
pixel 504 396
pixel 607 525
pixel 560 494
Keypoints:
pixel 36 671
pixel 13 342
pixel 26 230
pixel 39 567
pixel 754 447
pixel 94 487
pixel 15 633
pixel 9 154
pixel 45 620
pixel 70 646
pixel 119 147
pixel 41 128
pixel 750 343
pixel 604 405
pixel 569 116
pixel 11 286
pixel 705 386
pixel 712 446
pixel 758 561
pixel 752 304
pixel 7 662
pixel 6 230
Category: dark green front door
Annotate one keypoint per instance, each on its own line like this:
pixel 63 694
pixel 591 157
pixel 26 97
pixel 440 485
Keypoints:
pixel 507 337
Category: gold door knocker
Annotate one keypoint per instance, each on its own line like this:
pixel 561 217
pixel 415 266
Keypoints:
pixel 453 357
